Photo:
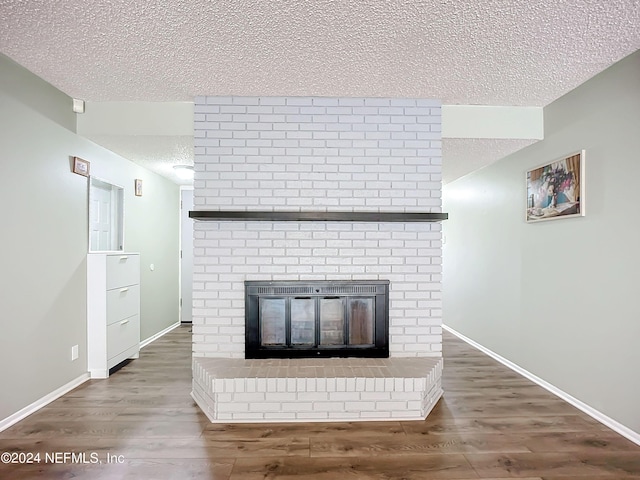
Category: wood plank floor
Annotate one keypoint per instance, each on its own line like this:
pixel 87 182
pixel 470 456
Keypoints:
pixel 490 424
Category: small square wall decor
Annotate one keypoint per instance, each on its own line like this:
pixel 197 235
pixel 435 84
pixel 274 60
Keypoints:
pixel 81 167
pixel 556 190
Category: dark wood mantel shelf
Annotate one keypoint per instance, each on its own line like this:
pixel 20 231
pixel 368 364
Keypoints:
pixel 271 216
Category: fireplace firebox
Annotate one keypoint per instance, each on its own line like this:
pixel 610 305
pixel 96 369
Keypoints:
pixel 316 319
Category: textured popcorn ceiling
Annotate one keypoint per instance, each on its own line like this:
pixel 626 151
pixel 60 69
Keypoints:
pixel 489 52
pixel 154 152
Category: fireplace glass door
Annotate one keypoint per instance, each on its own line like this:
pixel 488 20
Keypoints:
pixel 361 315
pixel 272 314
pixel 332 321
pixel 318 319
pixel 303 326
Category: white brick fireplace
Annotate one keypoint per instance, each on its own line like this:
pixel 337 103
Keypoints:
pixel 321 155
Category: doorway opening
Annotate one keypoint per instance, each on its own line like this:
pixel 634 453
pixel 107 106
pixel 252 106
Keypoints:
pixel 106 216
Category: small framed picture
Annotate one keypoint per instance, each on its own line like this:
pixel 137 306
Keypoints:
pixel 138 187
pixel 556 189
pixel 81 167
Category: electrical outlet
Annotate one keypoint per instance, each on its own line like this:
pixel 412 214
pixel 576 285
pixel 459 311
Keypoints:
pixel 74 353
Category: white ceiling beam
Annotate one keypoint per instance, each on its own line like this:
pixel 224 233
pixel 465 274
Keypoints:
pixel 482 121
pixel 137 118
pixel 176 119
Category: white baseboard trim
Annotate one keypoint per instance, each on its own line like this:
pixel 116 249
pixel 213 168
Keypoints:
pixel 592 412
pixel 44 401
pixel 152 338
pixel 99 373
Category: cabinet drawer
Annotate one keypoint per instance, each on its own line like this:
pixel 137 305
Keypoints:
pixel 123 335
pixel 122 302
pixel 122 270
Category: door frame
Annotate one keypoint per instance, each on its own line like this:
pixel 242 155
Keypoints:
pixel 180 248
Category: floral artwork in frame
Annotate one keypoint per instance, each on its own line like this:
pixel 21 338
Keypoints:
pixel 556 190
pixel 138 187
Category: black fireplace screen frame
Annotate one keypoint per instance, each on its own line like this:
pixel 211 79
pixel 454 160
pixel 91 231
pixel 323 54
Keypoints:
pixel 377 290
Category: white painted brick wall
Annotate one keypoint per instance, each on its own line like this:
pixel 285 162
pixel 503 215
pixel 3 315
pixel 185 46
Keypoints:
pixel 321 154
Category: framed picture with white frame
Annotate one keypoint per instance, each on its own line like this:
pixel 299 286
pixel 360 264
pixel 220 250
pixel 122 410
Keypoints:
pixel 556 189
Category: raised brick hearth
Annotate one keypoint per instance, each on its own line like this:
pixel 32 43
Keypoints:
pixel 334 389
pixel 321 155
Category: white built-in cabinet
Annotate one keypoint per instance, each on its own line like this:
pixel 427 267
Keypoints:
pixel 113 310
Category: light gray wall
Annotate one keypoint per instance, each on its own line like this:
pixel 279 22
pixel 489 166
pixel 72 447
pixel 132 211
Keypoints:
pixel 558 298
pixel 44 211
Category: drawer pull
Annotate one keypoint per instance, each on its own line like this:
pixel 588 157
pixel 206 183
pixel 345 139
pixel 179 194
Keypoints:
pixel 124 322
pixel 122 290
pixel 124 257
